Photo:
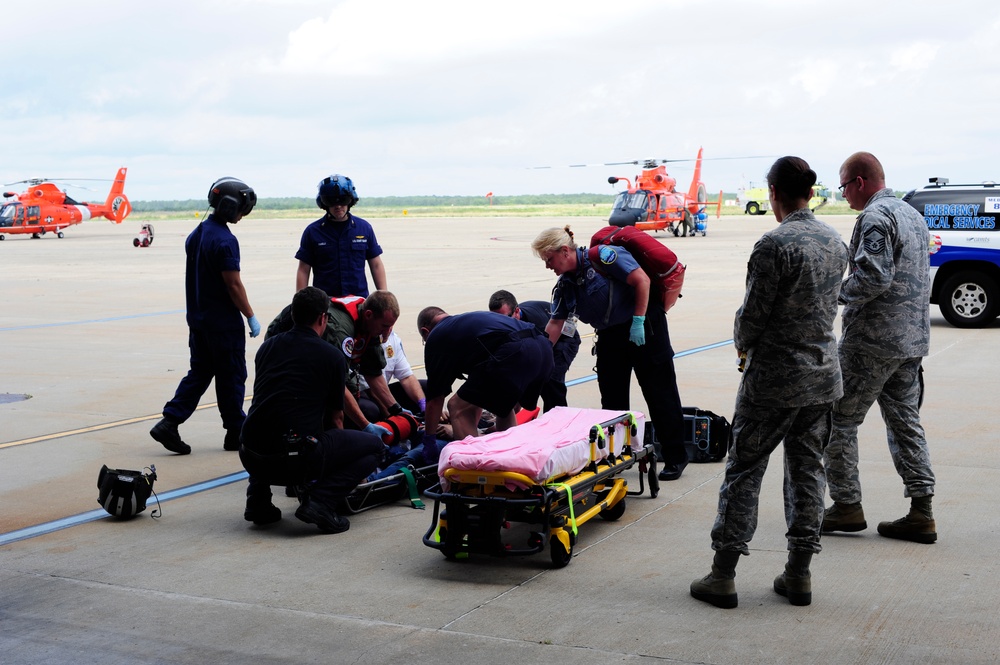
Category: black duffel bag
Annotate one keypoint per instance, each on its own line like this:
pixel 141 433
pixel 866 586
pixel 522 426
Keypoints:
pixel 707 436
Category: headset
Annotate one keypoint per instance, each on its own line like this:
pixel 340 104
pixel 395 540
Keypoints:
pixel 232 198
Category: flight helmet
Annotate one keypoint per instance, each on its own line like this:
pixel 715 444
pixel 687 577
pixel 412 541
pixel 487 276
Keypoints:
pixel 334 190
pixel 232 198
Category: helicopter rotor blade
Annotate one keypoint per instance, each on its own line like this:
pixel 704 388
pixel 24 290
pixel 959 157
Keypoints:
pixel 639 162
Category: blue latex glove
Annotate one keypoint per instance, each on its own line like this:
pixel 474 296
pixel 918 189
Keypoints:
pixel 431 451
pixel 254 325
pixel 377 430
pixel 637 333
pixel 422 404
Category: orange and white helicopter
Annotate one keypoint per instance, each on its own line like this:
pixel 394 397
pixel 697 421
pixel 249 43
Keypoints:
pixel 44 208
pixel 654 204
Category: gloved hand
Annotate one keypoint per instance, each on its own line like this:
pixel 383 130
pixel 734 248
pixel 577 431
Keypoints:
pixel 378 431
pixel 422 404
pixel 637 333
pixel 254 325
pixel 431 450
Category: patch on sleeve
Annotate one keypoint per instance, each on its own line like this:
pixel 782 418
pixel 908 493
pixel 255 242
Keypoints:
pixel 874 241
pixel 348 347
pixel 607 254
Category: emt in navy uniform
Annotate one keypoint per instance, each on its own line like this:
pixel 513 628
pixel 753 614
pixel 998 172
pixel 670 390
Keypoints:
pixel 631 333
pixel 216 305
pixel 335 248
pixel 536 312
pixel 505 362
pixel 299 390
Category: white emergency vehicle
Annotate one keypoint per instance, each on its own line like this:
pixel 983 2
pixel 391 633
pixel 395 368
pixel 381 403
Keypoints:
pixel 964 249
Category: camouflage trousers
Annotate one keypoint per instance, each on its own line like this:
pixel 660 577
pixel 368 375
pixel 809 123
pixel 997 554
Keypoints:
pixel 897 386
pixel 757 432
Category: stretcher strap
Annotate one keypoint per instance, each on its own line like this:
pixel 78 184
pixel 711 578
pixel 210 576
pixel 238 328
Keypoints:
pixel 569 499
pixel 411 486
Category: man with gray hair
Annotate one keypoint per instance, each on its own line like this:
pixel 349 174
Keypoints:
pixel 886 333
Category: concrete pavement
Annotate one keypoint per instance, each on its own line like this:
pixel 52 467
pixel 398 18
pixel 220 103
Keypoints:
pixel 93 330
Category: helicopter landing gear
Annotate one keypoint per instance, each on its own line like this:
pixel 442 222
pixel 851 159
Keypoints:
pixel 59 234
pixel 2 237
pixel 36 236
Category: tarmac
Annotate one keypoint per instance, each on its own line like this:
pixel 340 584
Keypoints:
pixel 93 342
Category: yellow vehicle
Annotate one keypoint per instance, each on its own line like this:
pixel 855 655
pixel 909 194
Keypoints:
pixel 754 199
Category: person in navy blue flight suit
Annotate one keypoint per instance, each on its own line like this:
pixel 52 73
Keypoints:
pixel 216 303
pixel 335 248
pixel 506 362
pixel 536 312
pixel 631 332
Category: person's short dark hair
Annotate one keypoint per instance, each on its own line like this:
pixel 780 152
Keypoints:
pixel 380 302
pixel 792 179
pixel 308 304
pixel 425 319
pixel 501 298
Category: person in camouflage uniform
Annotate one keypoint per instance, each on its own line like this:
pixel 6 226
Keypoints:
pixel 886 333
pixel 791 380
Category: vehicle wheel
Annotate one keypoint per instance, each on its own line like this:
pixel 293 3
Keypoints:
pixel 560 556
pixel 135 242
pixel 614 512
pixel 753 208
pixel 970 299
pixel 3 237
pixel 59 234
pixel 35 236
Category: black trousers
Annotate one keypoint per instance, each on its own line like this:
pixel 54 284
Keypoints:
pixel 653 364
pixel 339 461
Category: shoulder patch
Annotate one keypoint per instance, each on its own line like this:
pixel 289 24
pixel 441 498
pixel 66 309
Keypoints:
pixel 389 353
pixel 608 255
pixel 348 347
pixel 874 241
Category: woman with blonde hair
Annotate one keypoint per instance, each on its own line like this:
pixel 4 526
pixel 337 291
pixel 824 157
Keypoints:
pixel 631 333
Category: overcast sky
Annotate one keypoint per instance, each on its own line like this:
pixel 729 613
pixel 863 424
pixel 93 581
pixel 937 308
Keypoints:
pixel 463 97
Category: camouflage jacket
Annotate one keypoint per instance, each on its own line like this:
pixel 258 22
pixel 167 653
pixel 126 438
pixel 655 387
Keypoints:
pixel 886 294
pixel 786 323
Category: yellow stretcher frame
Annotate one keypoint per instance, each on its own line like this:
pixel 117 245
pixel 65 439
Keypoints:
pixel 479 505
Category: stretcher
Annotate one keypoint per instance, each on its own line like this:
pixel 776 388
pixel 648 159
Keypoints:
pixel 412 477
pixel 507 495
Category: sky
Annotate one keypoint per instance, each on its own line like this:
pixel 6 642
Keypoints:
pixel 465 97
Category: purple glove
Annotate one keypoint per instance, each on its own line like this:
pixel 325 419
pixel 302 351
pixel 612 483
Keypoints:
pixel 431 450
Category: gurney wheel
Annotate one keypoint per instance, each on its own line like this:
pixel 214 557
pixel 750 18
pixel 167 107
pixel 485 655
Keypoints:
pixel 560 556
pixel 614 512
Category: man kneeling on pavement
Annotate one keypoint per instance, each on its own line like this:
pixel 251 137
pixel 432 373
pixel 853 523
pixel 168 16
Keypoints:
pixel 294 431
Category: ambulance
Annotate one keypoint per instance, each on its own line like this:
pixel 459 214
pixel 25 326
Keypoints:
pixel 964 249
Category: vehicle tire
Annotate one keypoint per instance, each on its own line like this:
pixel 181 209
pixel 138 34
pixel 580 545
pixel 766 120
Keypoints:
pixel 135 242
pixel 560 557
pixel 753 208
pixel 3 237
pixel 614 512
pixel 969 299
pixel 59 234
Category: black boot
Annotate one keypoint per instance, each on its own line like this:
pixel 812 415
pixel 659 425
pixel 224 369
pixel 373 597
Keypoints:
pixel 166 433
pixel 719 587
pixel 796 582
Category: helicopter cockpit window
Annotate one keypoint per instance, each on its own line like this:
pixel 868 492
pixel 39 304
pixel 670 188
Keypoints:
pixel 8 211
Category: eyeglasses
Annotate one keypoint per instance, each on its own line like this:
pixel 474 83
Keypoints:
pixel 843 185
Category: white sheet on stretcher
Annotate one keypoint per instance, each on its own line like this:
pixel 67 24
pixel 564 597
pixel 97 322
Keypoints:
pixel 555 444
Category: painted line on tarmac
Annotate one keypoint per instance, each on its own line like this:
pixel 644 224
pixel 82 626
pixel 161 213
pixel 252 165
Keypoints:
pixel 94 515
pixel 34 326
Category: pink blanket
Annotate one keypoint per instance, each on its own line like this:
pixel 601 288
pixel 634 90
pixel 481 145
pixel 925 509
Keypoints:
pixel 555 444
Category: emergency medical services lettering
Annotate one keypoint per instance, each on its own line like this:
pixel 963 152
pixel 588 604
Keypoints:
pixel 961 216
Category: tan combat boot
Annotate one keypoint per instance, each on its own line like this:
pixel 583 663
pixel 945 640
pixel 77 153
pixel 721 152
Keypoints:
pixel 918 526
pixel 796 582
pixel 844 517
pixel 719 587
